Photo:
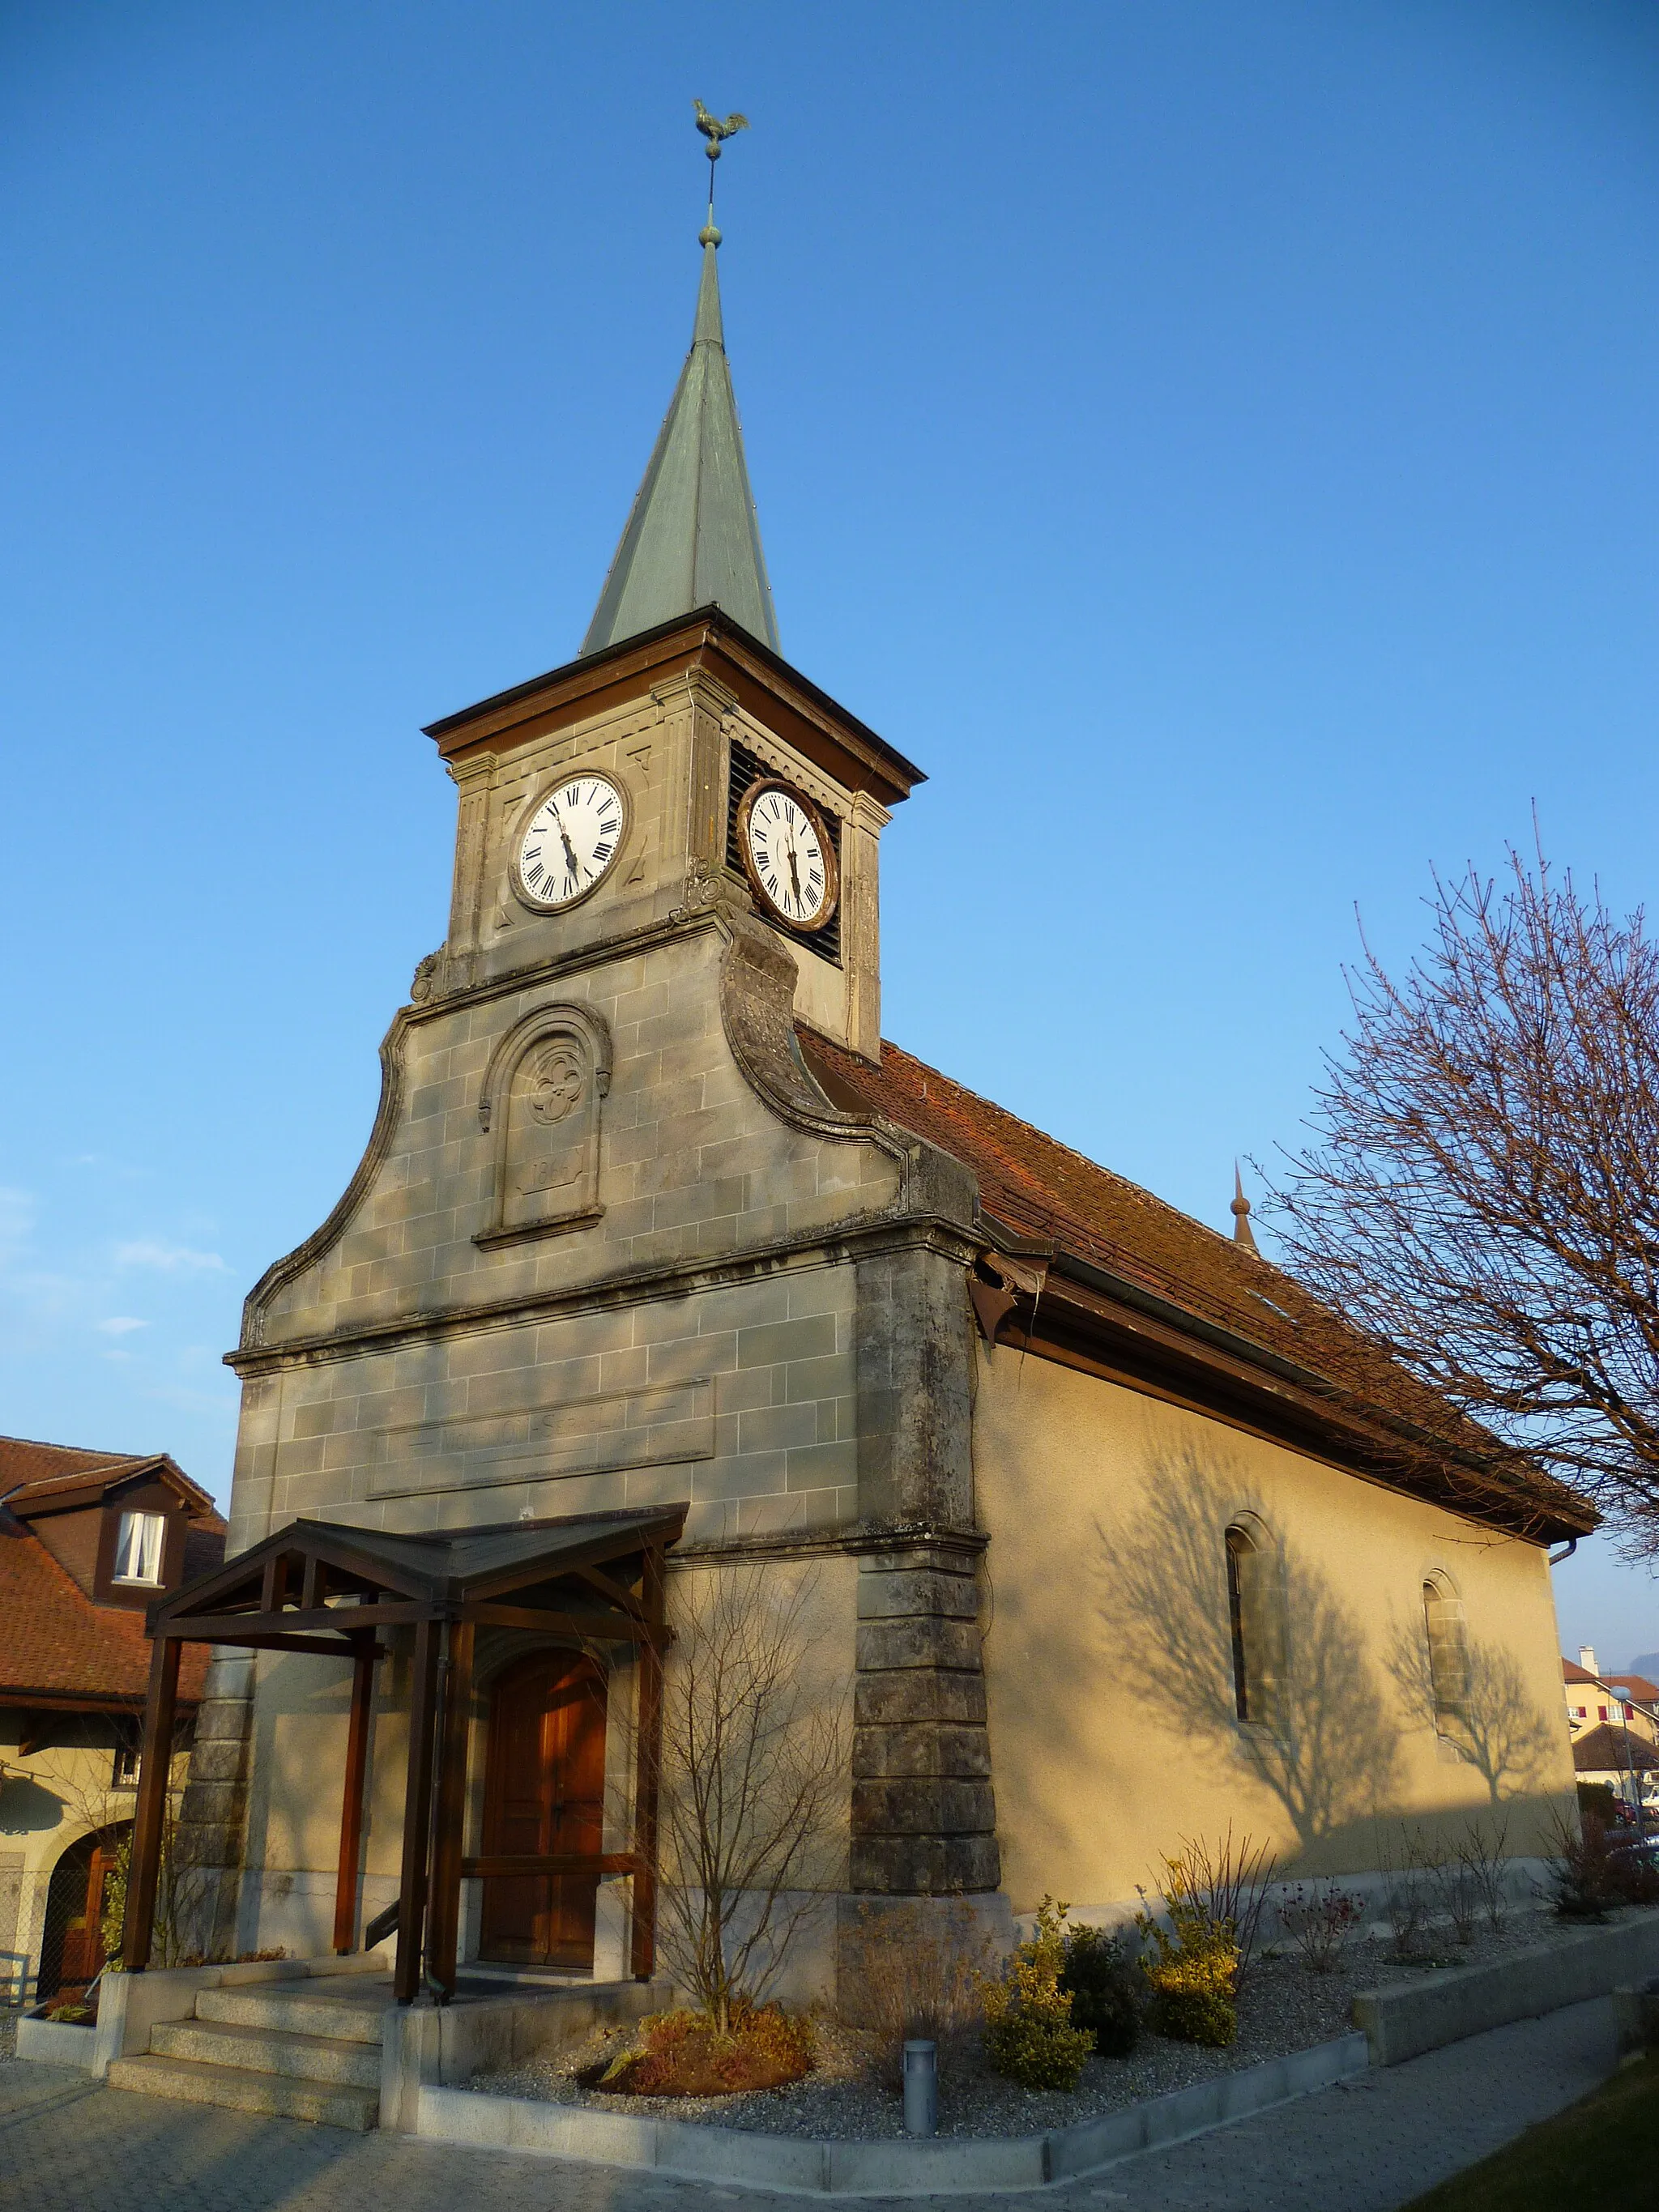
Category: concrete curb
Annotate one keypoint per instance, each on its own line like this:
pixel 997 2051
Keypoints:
pixel 891 2167
pixel 1409 2018
pixel 55 2043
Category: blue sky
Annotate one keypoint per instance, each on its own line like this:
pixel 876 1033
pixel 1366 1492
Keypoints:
pixel 1217 441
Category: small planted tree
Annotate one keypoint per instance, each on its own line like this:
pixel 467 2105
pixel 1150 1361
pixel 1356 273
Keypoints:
pixel 753 1785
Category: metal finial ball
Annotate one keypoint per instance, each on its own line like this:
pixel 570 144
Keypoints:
pixel 708 236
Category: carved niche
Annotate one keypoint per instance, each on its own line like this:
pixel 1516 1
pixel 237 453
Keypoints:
pixel 543 1093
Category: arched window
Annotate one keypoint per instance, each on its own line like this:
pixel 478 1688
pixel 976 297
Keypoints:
pixel 1253 1613
pixel 1449 1656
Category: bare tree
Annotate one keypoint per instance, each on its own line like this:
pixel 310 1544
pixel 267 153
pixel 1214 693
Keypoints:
pixel 754 1782
pixel 1482 1194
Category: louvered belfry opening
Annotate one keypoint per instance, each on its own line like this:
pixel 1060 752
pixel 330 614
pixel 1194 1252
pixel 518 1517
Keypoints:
pixel 341 1592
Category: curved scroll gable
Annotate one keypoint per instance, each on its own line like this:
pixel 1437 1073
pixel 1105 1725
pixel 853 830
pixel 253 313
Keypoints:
pixel 321 1240
pixel 541 1101
pixel 757 1011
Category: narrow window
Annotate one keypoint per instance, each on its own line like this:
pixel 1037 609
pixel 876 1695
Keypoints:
pixel 1449 1665
pixel 126 1774
pixel 1239 1549
pixel 138 1547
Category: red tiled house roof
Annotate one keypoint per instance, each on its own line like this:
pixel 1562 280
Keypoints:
pixel 1035 1191
pixel 1606 1749
pixel 58 1644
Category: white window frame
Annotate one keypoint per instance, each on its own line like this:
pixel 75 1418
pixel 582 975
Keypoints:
pixel 140 1544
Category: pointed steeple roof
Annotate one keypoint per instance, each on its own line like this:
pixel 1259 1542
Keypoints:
pixel 693 540
pixel 1243 1232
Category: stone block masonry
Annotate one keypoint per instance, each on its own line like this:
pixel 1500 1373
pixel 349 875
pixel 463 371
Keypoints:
pixel 924 1814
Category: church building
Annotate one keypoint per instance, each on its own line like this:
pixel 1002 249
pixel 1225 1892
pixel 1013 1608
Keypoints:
pixel 662 1263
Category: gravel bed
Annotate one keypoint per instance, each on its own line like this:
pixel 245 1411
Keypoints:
pixel 1282 2008
pixel 9 2017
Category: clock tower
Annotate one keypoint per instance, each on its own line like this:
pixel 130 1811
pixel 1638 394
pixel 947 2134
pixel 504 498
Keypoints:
pixel 620 1240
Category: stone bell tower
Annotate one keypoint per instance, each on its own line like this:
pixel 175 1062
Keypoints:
pixel 613 1243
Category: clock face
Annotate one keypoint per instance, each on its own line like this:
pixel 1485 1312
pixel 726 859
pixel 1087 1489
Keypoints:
pixel 572 840
pixel 786 850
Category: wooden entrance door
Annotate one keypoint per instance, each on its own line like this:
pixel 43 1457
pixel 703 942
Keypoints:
pixel 78 1882
pixel 544 1792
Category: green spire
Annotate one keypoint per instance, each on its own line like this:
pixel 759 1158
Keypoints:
pixel 693 538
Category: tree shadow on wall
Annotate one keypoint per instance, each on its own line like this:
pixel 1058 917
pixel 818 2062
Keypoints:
pixel 1494 1728
pixel 1329 1751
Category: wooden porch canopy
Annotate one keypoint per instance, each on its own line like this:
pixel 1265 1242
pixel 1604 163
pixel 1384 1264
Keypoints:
pixel 317 1586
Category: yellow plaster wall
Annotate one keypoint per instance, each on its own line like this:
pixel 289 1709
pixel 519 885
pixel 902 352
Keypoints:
pixel 1107 1650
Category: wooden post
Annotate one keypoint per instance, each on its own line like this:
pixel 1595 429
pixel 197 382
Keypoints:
pixel 351 1805
pixel 417 1813
pixel 647 1772
pixel 444 1918
pixel 149 1815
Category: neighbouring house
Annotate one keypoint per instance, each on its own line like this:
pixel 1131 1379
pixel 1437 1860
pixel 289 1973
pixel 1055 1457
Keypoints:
pixel 1626 1701
pixel 87 1539
pixel 661 1264
pixel 1625 1762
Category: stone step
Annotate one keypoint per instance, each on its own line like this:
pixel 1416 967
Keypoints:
pixel 240 2090
pixel 286 2009
pixel 267 2050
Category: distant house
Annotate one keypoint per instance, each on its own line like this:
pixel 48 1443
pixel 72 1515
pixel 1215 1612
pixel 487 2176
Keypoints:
pixel 87 1539
pixel 1627 1763
pixel 1594 1699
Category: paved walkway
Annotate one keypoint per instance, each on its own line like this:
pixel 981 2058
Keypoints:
pixel 1367 2146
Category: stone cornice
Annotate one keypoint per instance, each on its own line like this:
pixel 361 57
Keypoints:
pixel 886 1232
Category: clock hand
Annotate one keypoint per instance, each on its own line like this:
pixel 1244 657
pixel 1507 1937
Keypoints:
pixel 794 875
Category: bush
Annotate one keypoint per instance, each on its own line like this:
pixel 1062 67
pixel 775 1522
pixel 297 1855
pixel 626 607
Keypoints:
pixel 683 2054
pixel 1029 2034
pixel 910 1973
pixel 1193 1967
pixel 1105 1991
pixel 1320 1918
pixel 1583 1881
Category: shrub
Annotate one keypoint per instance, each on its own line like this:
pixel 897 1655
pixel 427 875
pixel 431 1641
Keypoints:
pixel 683 2054
pixel 1193 1967
pixel 1105 1991
pixel 1582 1878
pixel 908 1972
pixel 1319 1918
pixel 1029 2034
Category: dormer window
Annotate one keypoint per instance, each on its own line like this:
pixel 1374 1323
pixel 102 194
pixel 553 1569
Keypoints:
pixel 138 1548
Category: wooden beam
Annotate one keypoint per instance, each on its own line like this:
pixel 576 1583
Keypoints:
pixel 351 1805
pixel 506 1864
pixel 447 1836
pixel 334 1619
pixel 649 1770
pixel 308 1582
pixel 608 1586
pixel 150 1815
pixel 604 1627
pixel 265 1639
pixel 418 1813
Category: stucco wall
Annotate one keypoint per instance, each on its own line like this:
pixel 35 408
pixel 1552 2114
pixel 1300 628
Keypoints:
pixel 1108 1655
pixel 50 1797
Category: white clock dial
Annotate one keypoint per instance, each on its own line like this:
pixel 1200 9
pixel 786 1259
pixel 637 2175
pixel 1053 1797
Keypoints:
pixel 573 838
pixel 788 854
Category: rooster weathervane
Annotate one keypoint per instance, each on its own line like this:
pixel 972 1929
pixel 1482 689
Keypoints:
pixel 714 132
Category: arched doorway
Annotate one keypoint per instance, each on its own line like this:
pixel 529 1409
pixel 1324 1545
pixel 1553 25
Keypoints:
pixel 544 1795
pixel 72 1940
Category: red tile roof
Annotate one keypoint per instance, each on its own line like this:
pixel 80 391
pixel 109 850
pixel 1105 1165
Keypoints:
pixel 33 1474
pixel 1042 1190
pixel 1572 1672
pixel 1610 1750
pixel 55 1642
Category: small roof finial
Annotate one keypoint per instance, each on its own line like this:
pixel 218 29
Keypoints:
pixel 1243 1232
pixel 714 131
